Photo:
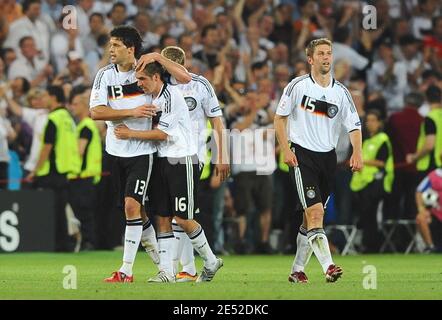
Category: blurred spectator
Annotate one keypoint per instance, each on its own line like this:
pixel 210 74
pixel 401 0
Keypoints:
pixel 389 77
pixel 30 25
pixel 30 66
pixel 422 23
pixel 7 135
pixel 403 129
pixel 83 9
pixel 117 15
pixel 343 50
pixel 253 161
pixel 8 55
pixel 97 29
pixel 209 39
pixel 64 41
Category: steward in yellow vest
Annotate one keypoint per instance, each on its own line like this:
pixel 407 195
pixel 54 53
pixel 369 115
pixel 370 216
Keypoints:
pixel 429 144
pixel 373 181
pixel 58 158
pixel 82 186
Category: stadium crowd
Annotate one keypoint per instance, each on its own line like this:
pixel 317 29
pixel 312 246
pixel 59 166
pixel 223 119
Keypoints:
pixel 249 50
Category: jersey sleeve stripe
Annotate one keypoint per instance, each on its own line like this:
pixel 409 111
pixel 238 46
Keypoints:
pixel 348 94
pixel 295 82
pixel 167 97
pixel 205 82
pixel 100 75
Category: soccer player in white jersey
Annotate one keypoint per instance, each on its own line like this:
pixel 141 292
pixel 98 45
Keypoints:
pixel 316 106
pixel 203 105
pixel 116 98
pixel 175 174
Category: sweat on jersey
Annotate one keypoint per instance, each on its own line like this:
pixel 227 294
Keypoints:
pixel 202 103
pixel 175 122
pixel 119 90
pixel 317 113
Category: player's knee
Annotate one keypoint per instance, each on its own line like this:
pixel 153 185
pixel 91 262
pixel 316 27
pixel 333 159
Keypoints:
pixel 164 224
pixel 132 208
pixel 315 215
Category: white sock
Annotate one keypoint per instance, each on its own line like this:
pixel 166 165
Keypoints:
pixel 187 256
pixel 319 243
pixel 201 245
pixel 150 243
pixel 166 243
pixel 303 251
pixel 132 238
pixel 184 253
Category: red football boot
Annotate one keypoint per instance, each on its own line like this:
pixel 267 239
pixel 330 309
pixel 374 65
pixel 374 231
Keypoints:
pixel 118 276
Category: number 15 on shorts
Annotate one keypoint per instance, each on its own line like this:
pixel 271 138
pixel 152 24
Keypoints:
pixel 180 204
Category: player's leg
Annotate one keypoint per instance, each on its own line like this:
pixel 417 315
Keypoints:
pixel 149 238
pixel 311 175
pixel 136 171
pixel 184 255
pixel 183 180
pixel 303 248
pixel 303 254
pixel 159 206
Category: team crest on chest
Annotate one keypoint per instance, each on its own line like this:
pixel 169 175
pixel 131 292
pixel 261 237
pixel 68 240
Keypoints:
pixel 191 103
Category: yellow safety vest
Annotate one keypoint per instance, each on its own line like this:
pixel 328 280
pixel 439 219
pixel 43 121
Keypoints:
pixel 92 160
pixel 67 159
pixel 423 164
pixel 370 149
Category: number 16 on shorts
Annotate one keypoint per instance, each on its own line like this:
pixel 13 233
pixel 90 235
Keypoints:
pixel 180 204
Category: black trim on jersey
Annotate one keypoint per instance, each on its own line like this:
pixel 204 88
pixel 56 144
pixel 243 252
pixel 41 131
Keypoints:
pixel 333 82
pixel 310 76
pixel 129 90
pixel 204 81
pixel 116 67
pixel 292 86
pixel 100 75
pixel 354 130
pixel 347 93
pixel 321 107
pixel 168 106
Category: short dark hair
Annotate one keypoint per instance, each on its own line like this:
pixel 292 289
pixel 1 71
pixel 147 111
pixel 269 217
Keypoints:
pixel 96 14
pixel 207 28
pixel 163 39
pixel 119 4
pixel 77 90
pixel 23 39
pixel 341 34
pixel 27 3
pixel 155 68
pixel 433 94
pixel 26 85
pixel 414 99
pixel 130 37
pixel 374 112
pixel 57 92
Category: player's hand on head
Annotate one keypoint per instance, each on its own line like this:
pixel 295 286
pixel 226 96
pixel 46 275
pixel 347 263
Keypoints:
pixel 290 159
pixel 356 162
pixel 122 132
pixel 146 59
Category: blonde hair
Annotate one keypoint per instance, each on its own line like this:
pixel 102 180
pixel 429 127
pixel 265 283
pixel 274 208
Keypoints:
pixel 32 94
pixel 314 43
pixel 176 54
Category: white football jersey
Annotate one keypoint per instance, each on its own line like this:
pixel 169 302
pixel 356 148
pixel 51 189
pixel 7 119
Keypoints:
pixel 175 121
pixel 202 103
pixel 316 114
pixel 119 90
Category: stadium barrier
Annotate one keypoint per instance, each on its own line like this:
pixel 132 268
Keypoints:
pixel 27 221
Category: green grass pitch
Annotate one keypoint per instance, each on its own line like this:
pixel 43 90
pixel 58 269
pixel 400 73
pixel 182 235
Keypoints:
pixel 40 276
